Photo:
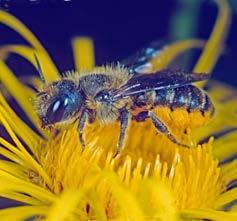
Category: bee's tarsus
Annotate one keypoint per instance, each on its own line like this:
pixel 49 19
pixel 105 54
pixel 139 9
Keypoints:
pixel 184 145
pixel 82 142
pixel 117 152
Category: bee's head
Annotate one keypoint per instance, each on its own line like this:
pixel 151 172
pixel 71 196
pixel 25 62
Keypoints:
pixel 59 102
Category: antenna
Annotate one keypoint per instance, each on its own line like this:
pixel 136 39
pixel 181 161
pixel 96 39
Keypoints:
pixel 39 69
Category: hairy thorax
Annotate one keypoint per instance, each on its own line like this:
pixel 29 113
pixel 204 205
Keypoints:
pixel 102 79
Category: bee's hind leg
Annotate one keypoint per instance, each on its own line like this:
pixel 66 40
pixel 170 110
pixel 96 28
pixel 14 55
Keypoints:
pixel 81 126
pixel 161 127
pixel 124 124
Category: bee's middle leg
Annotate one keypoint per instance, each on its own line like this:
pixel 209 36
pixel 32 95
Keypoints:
pixel 124 124
pixel 161 127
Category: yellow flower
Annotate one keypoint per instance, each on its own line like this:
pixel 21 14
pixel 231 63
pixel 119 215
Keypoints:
pixel 153 179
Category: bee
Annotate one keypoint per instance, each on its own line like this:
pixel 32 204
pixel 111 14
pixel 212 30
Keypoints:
pixel 128 91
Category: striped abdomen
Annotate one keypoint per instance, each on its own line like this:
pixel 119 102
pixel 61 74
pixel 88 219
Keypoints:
pixel 187 105
pixel 189 97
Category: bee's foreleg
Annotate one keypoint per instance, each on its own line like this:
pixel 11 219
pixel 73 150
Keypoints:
pixel 161 127
pixel 124 124
pixel 81 125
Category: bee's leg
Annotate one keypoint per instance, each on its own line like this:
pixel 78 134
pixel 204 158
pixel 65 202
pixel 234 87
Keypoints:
pixel 161 127
pixel 124 123
pixel 81 125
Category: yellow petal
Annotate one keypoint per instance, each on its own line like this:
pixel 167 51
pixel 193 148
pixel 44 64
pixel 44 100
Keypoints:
pixel 83 50
pixel 21 213
pixel 22 30
pixel 10 183
pixel 21 151
pixel 204 214
pixel 172 51
pixel 17 90
pixel 49 70
pixel 19 127
pixel 215 43
pixel 64 206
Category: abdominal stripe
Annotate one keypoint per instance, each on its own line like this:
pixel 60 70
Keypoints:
pixel 188 97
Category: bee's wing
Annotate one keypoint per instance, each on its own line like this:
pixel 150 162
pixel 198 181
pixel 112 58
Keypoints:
pixel 139 63
pixel 156 81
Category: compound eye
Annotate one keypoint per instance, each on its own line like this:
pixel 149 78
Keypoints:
pixel 56 110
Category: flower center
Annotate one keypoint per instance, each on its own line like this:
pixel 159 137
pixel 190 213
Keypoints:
pixel 192 174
